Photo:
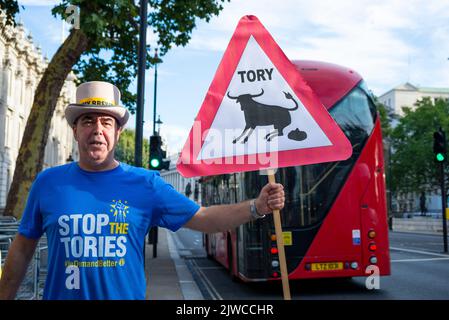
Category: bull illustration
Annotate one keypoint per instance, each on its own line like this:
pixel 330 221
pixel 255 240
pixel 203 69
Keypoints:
pixel 259 114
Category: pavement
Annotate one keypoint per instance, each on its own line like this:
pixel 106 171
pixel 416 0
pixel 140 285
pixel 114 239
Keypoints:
pixel 167 275
pixel 418 224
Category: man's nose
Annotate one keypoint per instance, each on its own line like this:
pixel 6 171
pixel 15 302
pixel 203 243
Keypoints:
pixel 98 127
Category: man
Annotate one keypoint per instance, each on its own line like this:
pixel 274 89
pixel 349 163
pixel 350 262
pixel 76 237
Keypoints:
pixel 422 203
pixel 97 211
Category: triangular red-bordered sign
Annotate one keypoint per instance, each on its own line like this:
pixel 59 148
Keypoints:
pixel 249 30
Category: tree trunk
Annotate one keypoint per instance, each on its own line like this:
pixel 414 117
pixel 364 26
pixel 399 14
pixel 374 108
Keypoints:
pixel 31 154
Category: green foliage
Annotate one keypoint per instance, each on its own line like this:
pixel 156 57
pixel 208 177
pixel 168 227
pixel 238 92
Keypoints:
pixel 387 117
pixel 124 151
pixel 113 31
pixel 112 28
pixel 103 48
pixel 413 166
pixel 10 8
pixel 167 16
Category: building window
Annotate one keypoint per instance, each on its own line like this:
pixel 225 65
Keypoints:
pixel 10 82
pixel 18 99
pixel 30 98
pixel 55 159
pixel 7 129
pixel 19 133
pixel 8 180
pixel 22 93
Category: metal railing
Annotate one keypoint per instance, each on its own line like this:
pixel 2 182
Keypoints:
pixel 32 285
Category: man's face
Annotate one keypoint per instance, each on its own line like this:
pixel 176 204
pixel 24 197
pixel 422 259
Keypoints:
pixel 96 134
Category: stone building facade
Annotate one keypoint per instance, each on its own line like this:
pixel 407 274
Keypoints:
pixel 21 67
pixel 407 94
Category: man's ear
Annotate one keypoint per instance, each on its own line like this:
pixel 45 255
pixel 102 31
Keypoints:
pixel 74 133
pixel 119 131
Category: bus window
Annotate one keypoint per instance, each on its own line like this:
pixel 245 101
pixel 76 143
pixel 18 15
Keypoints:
pixel 311 190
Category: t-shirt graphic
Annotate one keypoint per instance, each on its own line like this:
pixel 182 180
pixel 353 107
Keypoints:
pixel 93 241
pixel 96 223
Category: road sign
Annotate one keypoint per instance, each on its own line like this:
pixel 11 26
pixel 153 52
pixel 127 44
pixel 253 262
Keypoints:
pixel 259 113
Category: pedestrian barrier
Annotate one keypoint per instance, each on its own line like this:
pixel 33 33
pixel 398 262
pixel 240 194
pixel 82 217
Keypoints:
pixel 32 285
pixel 418 224
pixel 40 267
pixel 8 228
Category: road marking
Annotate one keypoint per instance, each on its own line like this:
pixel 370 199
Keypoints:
pixel 189 288
pixel 420 252
pixel 185 253
pixel 419 260
pixel 209 286
pixel 178 242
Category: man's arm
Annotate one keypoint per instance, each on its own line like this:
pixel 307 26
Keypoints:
pixel 228 216
pixel 16 264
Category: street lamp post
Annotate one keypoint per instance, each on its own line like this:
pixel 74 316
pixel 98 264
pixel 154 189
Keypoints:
pixel 444 205
pixel 155 91
pixel 158 122
pixel 154 230
pixel 440 153
pixel 142 56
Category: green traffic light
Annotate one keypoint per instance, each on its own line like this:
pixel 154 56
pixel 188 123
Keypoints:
pixel 155 163
pixel 440 157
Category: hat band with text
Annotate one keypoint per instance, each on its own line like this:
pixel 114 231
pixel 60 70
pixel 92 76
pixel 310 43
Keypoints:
pixel 97 102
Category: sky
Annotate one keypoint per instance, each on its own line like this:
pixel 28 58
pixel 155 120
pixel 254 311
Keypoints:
pixel 388 42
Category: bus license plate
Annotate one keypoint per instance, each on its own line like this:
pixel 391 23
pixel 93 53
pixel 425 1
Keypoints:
pixel 327 266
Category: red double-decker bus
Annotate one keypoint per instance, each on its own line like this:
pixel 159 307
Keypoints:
pixel 335 218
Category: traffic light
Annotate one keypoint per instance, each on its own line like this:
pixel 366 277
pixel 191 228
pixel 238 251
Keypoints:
pixel 157 155
pixel 439 146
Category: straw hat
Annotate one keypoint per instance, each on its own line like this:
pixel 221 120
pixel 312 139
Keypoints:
pixel 97 96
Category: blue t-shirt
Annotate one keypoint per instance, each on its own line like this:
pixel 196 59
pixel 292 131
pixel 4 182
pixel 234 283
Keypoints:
pixel 96 224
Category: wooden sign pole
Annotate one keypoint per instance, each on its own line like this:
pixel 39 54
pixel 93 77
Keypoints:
pixel 280 244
